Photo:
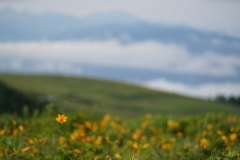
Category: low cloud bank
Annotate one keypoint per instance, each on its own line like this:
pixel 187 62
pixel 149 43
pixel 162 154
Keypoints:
pixel 144 55
pixel 205 91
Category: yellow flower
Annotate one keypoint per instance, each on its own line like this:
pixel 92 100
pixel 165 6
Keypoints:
pixel 135 136
pixel 148 116
pixel 61 118
pixel 135 146
pixel 172 125
pixel 107 118
pixel 204 142
pixel 30 141
pixel 88 124
pixel 179 134
pixel 146 145
pixel 21 128
pixel 220 132
pixel 224 138
pixel 167 146
pixel 233 136
pixel 11 154
pixel 15 132
pixel 25 149
pixel 2 132
pixel 117 155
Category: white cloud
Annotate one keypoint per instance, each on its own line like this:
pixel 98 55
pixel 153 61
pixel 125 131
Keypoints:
pixel 206 14
pixel 208 90
pixel 147 55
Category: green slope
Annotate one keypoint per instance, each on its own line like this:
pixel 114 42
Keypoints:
pixel 128 101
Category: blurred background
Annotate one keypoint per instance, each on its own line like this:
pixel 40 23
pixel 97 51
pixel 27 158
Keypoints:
pixel 186 47
pixel 153 79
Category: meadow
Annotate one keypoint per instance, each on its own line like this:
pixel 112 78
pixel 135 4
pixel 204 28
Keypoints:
pixel 91 135
pixel 151 125
pixel 70 94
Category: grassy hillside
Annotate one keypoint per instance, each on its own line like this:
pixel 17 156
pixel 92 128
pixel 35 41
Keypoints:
pixel 127 101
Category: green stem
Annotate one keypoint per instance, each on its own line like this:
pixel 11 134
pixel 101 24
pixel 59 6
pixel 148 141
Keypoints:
pixel 67 139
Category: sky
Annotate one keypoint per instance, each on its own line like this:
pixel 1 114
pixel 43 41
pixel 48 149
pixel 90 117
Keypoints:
pixel 220 16
pixel 217 15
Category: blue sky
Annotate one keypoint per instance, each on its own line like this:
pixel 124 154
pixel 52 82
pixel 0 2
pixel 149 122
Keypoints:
pixel 209 15
pixel 217 15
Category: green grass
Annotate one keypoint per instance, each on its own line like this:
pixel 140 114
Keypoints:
pixel 205 137
pixel 70 94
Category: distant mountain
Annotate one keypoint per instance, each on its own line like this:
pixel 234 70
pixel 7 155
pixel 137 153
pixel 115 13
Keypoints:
pixel 26 26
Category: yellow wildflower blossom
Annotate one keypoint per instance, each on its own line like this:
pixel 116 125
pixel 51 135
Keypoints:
pixel 179 134
pixel 233 136
pixel 166 146
pixel 15 132
pixel 117 155
pixel 220 132
pixel 25 149
pixel 21 128
pixel 135 136
pixel 148 116
pixel 30 141
pixel 44 140
pixel 204 142
pixel 135 146
pixel 172 125
pixel 2 132
pixel 11 154
pixel 146 145
pixel 107 118
pixel 61 118
pixel 224 138
pixel 88 124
